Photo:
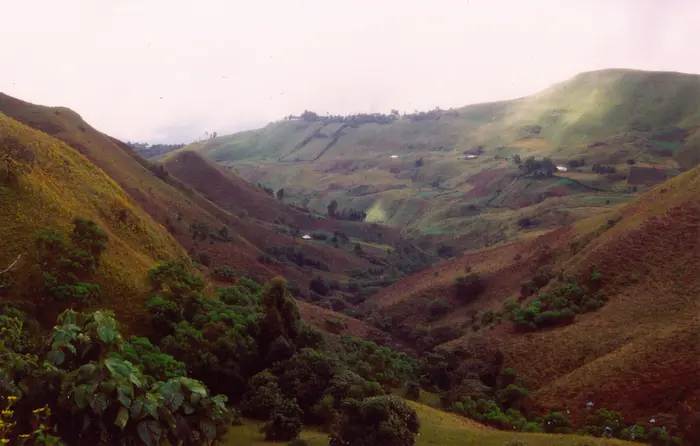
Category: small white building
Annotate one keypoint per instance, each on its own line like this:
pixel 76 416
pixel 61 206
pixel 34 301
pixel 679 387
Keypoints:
pixel 471 156
pixel 394 156
pixel 306 237
pixel 562 168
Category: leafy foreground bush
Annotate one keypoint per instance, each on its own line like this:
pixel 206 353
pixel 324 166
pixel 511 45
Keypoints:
pixel 382 420
pixel 101 398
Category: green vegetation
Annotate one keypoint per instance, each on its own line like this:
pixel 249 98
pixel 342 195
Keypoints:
pixel 66 267
pixel 560 305
pixel 247 344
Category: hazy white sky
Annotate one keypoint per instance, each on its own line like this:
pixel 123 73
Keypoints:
pixel 166 70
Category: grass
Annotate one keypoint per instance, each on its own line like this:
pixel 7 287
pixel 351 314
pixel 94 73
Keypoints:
pixel 438 428
pixel 62 184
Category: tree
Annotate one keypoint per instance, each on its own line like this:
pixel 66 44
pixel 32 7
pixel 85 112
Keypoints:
pixel 280 194
pixel 332 208
pixel 548 166
pixel 380 420
pixel 419 162
pixel 516 159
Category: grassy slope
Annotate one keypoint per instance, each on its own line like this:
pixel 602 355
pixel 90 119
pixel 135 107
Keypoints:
pixel 170 202
pixel 608 106
pixel 62 184
pixel 589 107
pixel 639 352
pixel 437 428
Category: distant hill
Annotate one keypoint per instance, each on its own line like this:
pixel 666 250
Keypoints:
pixel 436 174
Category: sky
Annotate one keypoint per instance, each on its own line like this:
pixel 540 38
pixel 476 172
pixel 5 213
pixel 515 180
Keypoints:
pixel 169 70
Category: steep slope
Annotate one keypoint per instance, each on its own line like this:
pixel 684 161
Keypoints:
pixel 230 191
pixel 638 353
pixel 425 171
pixel 51 184
pixel 171 202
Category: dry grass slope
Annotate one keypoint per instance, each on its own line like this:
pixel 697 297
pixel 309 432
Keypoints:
pixel 61 184
pixel 639 353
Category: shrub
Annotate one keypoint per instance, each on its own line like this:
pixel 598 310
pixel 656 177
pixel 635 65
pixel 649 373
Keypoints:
pixel 412 391
pixel 224 273
pixel 284 423
pixel 382 420
pixel 557 423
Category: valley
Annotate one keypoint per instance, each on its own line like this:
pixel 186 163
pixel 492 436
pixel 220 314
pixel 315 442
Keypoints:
pixel 519 272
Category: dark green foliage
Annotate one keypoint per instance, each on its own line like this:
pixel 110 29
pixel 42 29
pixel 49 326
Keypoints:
pixel 298 442
pixel 469 287
pixel 284 423
pixel 382 420
pixel 262 397
pixel 511 395
pixel 557 423
pixel 412 391
pixel 224 273
pixel 66 268
pixel 488 412
pixel 149 359
pixel 576 163
pixel 96 394
pixel 488 317
pixel 535 168
pixel 174 279
pixel 560 305
pixel 377 363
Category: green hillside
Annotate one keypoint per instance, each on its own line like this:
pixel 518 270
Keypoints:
pixel 436 174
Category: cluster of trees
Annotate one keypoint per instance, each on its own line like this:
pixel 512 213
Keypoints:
pixel 377 118
pixel 531 166
pixel 66 265
pixel 205 360
pixel 576 163
pixel 560 305
pixel 358 118
pixel 345 214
